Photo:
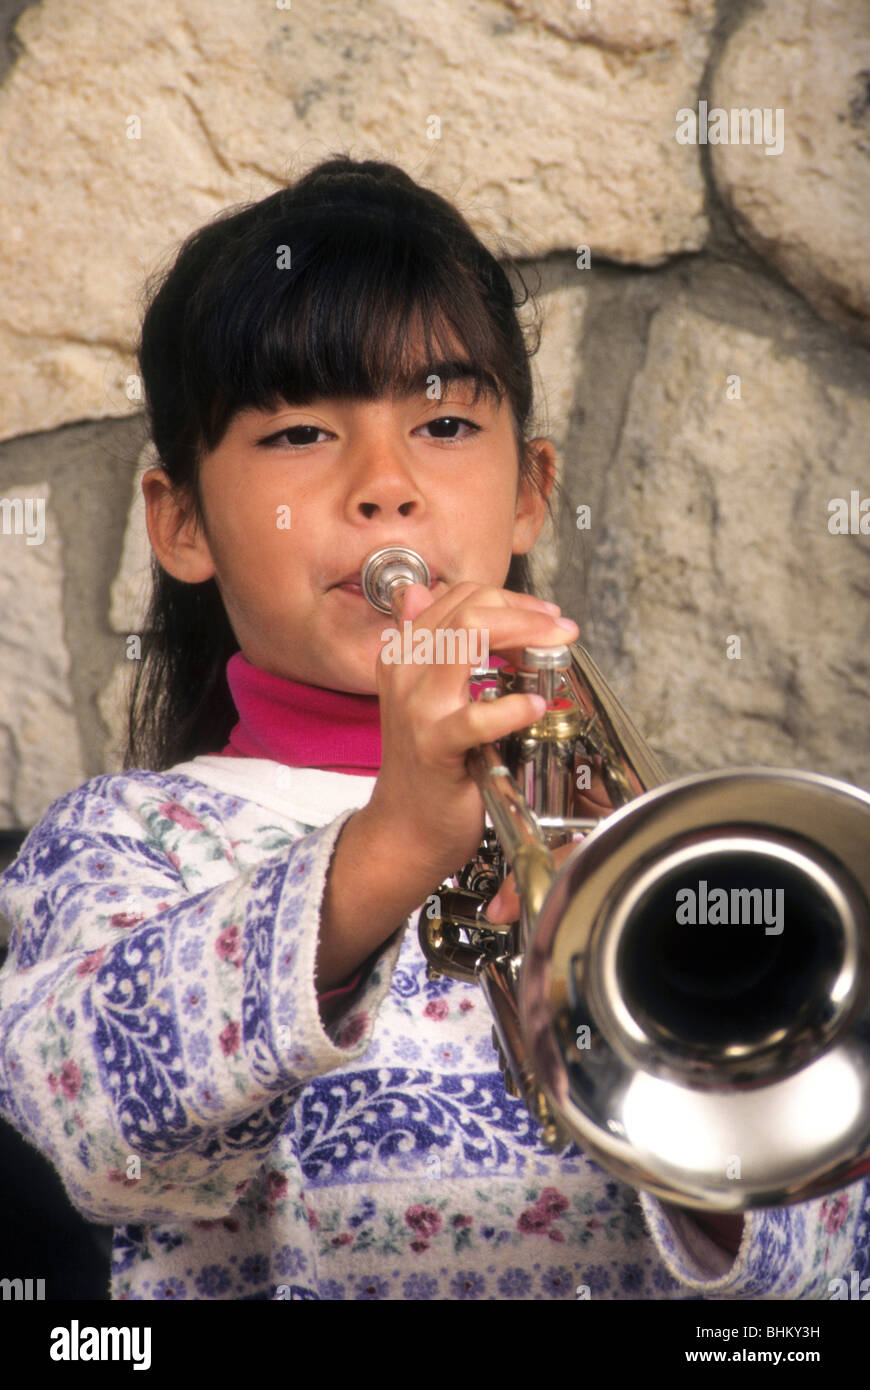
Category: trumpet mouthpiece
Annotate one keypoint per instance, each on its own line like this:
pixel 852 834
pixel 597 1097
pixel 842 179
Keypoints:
pixel 387 569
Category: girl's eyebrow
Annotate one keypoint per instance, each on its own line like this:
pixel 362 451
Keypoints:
pixel 449 371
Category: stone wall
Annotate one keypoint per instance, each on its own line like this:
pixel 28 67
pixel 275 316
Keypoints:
pixel 703 371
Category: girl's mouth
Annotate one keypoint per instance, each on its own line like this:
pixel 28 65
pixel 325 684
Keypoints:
pixel 353 587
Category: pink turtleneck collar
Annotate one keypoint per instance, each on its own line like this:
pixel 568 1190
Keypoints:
pixel 302 725
pixel 305 725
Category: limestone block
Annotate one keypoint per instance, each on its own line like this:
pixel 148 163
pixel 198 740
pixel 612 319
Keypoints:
pixel 129 596
pixel 125 129
pixel 623 26
pixel 807 209
pixel 714 525
pixel 131 588
pixel 40 754
pixel 556 370
pixel 114 703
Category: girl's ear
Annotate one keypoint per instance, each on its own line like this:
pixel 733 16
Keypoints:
pixel 176 536
pixel 532 497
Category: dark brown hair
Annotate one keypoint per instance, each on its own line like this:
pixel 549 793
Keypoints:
pixel 231 325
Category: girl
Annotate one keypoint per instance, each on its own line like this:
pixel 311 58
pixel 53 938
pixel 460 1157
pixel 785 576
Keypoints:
pixel 214 1020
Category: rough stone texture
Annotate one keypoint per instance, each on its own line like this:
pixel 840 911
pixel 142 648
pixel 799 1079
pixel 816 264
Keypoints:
pixel 132 585
pixel 713 522
pixel 90 468
pixel 40 754
pixel 621 26
pixel 128 605
pixel 807 210
pixel 573 129
pixel 9 13
pixel 709 515
pixel 556 372
pixel 113 702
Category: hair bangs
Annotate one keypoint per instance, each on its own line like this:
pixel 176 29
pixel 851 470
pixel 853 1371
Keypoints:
pixel 353 281
pixel 363 310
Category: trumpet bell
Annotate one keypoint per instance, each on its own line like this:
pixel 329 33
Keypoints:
pixel 695 999
pixel 689 997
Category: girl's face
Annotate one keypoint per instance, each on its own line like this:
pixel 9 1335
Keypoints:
pixel 296 499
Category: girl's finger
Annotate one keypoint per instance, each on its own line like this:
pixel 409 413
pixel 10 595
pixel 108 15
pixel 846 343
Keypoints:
pixel 445 599
pixel 485 721
pixel 505 906
pixel 415 600
pixel 507 628
pixel 471 636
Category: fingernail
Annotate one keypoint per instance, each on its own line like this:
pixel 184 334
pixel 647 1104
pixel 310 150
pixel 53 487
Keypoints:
pixel 565 622
pixel 495 905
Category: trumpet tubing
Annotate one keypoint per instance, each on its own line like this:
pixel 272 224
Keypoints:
pixel 688 997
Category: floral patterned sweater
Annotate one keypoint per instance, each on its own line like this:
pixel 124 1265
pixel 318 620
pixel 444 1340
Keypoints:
pixel 161 1043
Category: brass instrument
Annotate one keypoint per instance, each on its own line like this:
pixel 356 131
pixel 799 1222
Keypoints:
pixel 720 1064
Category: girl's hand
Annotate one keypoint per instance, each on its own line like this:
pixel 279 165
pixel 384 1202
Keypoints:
pixel 424 793
pixel 505 906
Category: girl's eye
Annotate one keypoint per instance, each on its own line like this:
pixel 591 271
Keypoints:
pixel 450 421
pixel 295 435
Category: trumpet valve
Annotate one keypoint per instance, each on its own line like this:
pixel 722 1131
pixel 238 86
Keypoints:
pixel 547 662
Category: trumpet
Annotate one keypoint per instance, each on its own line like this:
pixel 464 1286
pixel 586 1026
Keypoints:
pixel 687 998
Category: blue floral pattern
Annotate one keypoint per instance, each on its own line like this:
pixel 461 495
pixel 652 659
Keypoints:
pixel 162 1043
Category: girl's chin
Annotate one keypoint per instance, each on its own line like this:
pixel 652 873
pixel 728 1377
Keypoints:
pixel 356 675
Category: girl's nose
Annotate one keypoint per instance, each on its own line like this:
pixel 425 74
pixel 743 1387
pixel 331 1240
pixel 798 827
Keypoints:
pixel 383 487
